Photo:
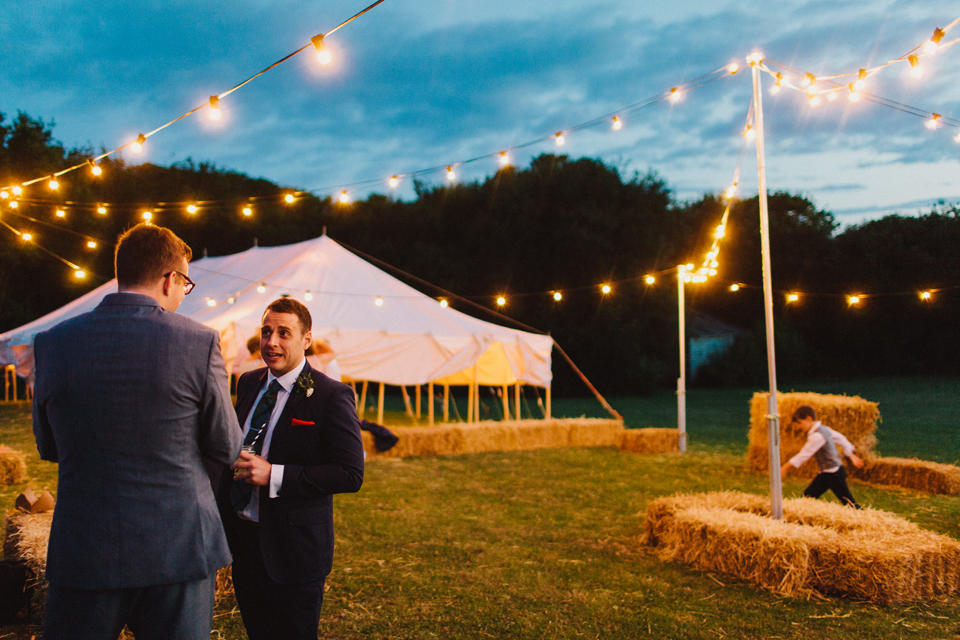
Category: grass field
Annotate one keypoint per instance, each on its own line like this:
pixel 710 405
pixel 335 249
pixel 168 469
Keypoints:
pixel 544 544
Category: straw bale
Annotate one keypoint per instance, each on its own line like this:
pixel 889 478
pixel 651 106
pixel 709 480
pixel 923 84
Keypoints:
pixel 819 546
pixel 649 440
pixel 920 475
pixel 13 466
pixel 853 416
pixel 514 435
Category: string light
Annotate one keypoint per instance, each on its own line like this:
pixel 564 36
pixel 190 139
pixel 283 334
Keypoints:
pixel 102 210
pixel 393 182
pixel 147 215
pixel 451 174
pixel 137 145
pixel 792 297
pixel 734 287
pixel 288 198
pixel 504 159
pixel 650 279
pixel 17 190
pixel 95 169
pixel 861 80
pixel 501 301
pixel 61 213
pixel 925 295
pixel 617 123
pixel 749 133
pixel 930 46
pixel 915 69
pixel 733 68
pixel 53 184
pixel 559 138
pixel 79 274
pixel 444 303
pixel 932 123
pixel 853 300
pixel 308 296
pixel 262 288
pixel 215 108
pixel 814 101
pixel 674 94
pixel 606 289
pixel 557 296
pixel 231 300
pixel 323 54
pixel 14 204
pixel 247 211
pixel 91 244
pixel 344 197
pixel 191 208
pixel 211 302
pixel 4 195
pixel 378 301
pixel 775 89
pixel 26 236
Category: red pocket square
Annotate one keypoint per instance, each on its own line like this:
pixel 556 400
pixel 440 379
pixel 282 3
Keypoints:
pixel 305 423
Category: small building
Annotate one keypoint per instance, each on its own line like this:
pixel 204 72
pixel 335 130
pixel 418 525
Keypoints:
pixel 706 338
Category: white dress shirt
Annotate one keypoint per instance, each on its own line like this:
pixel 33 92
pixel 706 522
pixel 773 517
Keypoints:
pixel 815 440
pixel 287 380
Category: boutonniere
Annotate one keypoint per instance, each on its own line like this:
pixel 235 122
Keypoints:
pixel 304 385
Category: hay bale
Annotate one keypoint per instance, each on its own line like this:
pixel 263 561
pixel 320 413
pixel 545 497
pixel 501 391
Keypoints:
pixel 819 547
pixel 649 440
pixel 920 475
pixel 13 466
pixel 522 435
pixel 853 416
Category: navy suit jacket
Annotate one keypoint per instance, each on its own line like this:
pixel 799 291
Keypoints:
pixel 318 441
pixel 128 400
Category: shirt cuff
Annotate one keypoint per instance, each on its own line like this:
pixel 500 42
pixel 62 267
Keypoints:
pixel 276 479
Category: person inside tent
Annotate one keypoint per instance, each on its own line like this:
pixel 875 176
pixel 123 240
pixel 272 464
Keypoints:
pixel 322 358
pixel 253 361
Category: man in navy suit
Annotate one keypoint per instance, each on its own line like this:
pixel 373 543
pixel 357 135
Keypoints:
pixel 302 444
pixel 129 399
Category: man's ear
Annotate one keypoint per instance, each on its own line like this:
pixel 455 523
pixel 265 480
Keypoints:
pixel 167 283
pixel 307 340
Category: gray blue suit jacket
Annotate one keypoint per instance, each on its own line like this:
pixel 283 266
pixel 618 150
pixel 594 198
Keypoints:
pixel 128 399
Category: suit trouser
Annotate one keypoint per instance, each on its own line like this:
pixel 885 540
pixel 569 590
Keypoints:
pixel 270 610
pixel 836 482
pixel 179 611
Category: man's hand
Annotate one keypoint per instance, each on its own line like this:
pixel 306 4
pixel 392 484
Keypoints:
pixel 253 469
pixel 856 460
pixel 784 469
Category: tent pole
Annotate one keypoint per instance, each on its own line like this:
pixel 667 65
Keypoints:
pixel 406 401
pixel 682 380
pixel 476 395
pixel 362 409
pixel 380 405
pixel 446 403
pixel 506 402
pixel 418 402
pixel 549 414
pixel 470 404
pixel 516 399
pixel 430 400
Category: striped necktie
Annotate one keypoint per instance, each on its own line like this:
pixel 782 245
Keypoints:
pixel 240 491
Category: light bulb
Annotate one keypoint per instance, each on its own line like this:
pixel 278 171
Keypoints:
pixel 504 159
pixel 733 68
pixel 853 300
pixel 393 182
pixel 501 301
pixel 308 296
pixel 755 58
pixel 617 123
pixel 192 208
pixel 792 297
pixel 215 108
pixel 26 236
pixel 148 216
pixel 930 46
pixel 444 304
pixel 211 302
pixel 732 191
pixel 344 197
pixel 95 169
pixel 231 300
pixel 54 185
pixel 559 138
pixel 775 89
pixel 262 288
pixel 687 278
pixel 688 267
pixel 102 210
pixel 378 301
pixel 650 279
pixel 831 96
pixel 61 213
pixel 17 190
pixel 14 204
pixel 924 295
pixel 749 133
pixel 915 69
pixel 323 55
pixel 734 287
pixel 92 245
pixel 605 288
pixel 814 101
pixel 79 274
pixel 557 296
pixel 288 198
pixel 721 230
pixel 713 272
pixel 247 211
pixel 451 174
pixel 933 123
pixel 674 94
pixel 4 195
pixel 137 145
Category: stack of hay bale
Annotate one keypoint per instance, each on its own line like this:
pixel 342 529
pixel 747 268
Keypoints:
pixel 855 418
pixel 818 547
pixel 13 466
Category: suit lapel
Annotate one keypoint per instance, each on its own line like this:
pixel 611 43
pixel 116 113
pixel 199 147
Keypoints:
pixel 279 437
pixel 245 404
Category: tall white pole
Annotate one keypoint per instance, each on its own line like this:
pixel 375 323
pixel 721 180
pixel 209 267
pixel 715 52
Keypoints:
pixel 682 380
pixel 773 416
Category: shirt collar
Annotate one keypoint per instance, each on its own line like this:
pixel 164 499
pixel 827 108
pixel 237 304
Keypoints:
pixel 288 379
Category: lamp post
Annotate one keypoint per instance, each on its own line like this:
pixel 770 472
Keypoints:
pixel 682 380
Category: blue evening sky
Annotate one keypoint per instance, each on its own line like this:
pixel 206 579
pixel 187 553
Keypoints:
pixel 432 82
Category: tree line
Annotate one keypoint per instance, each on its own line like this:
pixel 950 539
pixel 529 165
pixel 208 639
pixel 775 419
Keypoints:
pixel 560 224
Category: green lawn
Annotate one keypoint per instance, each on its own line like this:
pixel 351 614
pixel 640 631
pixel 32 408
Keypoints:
pixel 544 544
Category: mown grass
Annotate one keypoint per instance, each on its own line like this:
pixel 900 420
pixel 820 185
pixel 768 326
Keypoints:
pixel 545 544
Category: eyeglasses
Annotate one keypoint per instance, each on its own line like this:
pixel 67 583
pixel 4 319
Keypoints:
pixel 188 284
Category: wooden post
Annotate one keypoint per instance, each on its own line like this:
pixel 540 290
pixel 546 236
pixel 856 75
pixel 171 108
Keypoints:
pixel 516 400
pixel 506 402
pixel 380 405
pixel 476 405
pixel 446 403
pixel 548 403
pixel 418 402
pixel 430 396
pixel 363 400
pixel 406 401
pixel 470 404
pixel 10 383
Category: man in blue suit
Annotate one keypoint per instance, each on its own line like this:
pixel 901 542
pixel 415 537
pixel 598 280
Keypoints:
pixel 301 445
pixel 129 399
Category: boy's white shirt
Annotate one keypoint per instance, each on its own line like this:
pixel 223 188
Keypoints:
pixel 815 440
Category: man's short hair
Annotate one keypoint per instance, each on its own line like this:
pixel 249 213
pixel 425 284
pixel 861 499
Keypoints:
pixel 253 344
pixel 145 252
pixel 289 305
pixel 804 411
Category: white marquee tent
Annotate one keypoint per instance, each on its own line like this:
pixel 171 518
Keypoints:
pixel 381 329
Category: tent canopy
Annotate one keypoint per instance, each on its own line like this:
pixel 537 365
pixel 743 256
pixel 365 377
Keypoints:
pixel 380 329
